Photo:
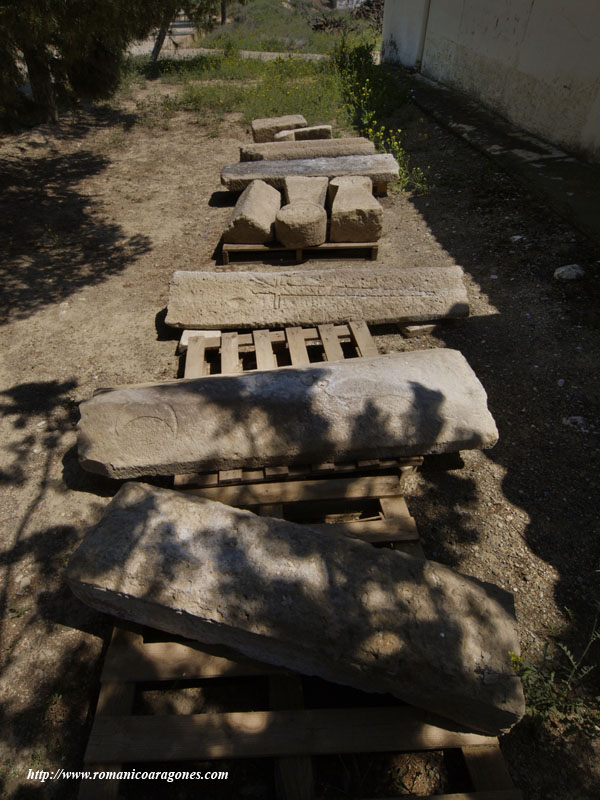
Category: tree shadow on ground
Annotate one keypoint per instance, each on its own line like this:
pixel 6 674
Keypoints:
pixel 54 240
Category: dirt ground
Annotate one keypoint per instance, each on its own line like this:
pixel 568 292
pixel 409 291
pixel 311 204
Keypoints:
pixel 96 214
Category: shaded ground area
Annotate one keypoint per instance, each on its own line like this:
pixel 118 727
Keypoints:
pixel 97 214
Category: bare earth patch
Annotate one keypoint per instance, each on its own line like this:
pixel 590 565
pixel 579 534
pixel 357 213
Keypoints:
pixel 97 213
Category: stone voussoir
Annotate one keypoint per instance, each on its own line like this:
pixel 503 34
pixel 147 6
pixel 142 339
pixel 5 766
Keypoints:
pixel 390 406
pixel 319 604
pixel 220 300
pixel 306 190
pixel 356 216
pixel 382 168
pixel 320 148
pixel 253 218
pixel 264 130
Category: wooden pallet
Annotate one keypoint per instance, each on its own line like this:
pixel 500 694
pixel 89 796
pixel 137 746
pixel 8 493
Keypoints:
pixel 333 498
pixel 256 252
pixel 214 352
pixel 287 731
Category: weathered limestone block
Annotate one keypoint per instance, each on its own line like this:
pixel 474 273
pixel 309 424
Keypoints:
pixel 400 404
pixel 217 300
pixel 357 183
pixel 305 190
pixel 253 218
pixel 264 130
pixel 321 148
pixel 301 225
pixel 303 134
pixel 381 168
pixel 320 604
pixel 356 216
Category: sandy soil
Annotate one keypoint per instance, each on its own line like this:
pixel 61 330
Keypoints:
pixel 97 213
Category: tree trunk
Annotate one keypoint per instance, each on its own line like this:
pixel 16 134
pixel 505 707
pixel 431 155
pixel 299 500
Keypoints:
pixel 223 12
pixel 40 78
pixel 162 33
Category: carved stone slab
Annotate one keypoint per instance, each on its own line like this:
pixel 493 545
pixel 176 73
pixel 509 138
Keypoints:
pixel 396 405
pixel 328 148
pixel 381 168
pixel 264 130
pixel 308 297
pixel 317 603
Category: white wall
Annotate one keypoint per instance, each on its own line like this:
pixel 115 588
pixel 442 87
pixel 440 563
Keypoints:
pixel 404 26
pixel 537 62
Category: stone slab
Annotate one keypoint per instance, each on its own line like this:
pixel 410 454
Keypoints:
pixel 303 134
pixel 321 148
pixel 264 130
pixel 253 218
pixel 309 297
pixel 307 190
pixel 391 406
pixel 301 224
pixel 381 168
pixel 320 604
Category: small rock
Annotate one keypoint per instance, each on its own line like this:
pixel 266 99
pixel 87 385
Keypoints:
pixel 570 272
pixel 578 423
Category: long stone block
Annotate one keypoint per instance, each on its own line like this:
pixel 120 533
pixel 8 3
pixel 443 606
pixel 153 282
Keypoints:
pixel 264 130
pixel 307 297
pixel 320 604
pixel 320 148
pixel 381 168
pixel 253 218
pixel 396 405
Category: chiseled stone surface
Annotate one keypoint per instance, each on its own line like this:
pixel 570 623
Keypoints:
pixel 308 190
pixel 264 130
pixel 357 183
pixel 216 300
pixel 400 404
pixel 356 216
pixel 301 224
pixel 320 604
pixel 381 168
pixel 303 134
pixel 253 218
pixel 320 148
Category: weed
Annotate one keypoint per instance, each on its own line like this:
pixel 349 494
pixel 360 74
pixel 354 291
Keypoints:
pixel 554 686
pixel 371 93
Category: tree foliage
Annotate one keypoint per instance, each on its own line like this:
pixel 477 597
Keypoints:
pixel 76 47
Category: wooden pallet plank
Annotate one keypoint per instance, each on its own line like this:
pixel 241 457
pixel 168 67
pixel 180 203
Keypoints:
pixel 502 794
pixel 294 773
pixel 230 360
pixel 297 347
pixel 363 339
pixel 230 476
pixel 331 343
pixel 296 253
pixel 169 661
pixel 294 491
pixel 370 530
pixel 269 733
pixel 487 767
pixel 265 358
pixel 115 697
pixel 395 510
pixel 195 359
